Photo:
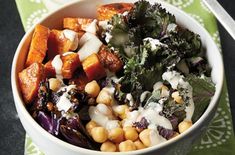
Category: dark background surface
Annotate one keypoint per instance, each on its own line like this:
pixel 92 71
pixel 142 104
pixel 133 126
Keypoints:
pixel 12 134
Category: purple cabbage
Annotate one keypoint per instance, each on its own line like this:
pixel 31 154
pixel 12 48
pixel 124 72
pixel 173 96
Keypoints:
pixel 75 137
pixel 49 122
pixel 166 133
pixel 174 121
pixel 142 124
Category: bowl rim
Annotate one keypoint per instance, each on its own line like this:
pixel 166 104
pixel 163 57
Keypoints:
pixel 20 104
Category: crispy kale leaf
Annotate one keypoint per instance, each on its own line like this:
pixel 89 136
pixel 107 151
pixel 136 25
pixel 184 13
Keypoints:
pixel 152 20
pixel 203 90
pixel 148 47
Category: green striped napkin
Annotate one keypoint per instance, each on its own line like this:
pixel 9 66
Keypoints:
pixel 219 138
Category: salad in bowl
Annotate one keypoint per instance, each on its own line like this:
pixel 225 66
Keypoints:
pixel 130 79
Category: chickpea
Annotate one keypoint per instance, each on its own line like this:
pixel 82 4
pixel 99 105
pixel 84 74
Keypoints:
pixel 184 125
pixel 116 135
pixel 92 88
pixel 177 98
pixel 99 134
pixel 121 111
pixel 90 125
pixel 127 145
pixel 108 147
pixel 145 137
pixel 55 84
pixel 131 133
pixel 139 145
pixel 104 97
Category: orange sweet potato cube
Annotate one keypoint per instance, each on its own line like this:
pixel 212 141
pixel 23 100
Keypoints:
pixel 49 70
pixel 58 43
pixel 93 68
pixel 70 63
pixel 77 24
pixel 38 45
pixel 80 80
pixel 29 80
pixel 105 12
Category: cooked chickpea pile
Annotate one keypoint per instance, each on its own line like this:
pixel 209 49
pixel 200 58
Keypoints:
pixel 121 138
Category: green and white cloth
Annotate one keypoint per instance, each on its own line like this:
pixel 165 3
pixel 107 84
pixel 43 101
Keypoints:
pixel 219 138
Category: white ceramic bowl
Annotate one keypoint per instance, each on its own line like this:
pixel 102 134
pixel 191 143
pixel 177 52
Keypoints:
pixel 87 8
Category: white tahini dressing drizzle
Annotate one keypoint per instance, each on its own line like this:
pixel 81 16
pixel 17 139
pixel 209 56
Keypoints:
pixel 102 115
pixel 90 44
pixel 92 28
pixel 129 97
pixel 155 138
pixel 154 43
pixel 171 27
pixel 57 64
pixel 64 103
pixel 73 37
pixel 144 95
pixel 176 80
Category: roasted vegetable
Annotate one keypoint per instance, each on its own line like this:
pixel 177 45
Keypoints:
pixel 110 60
pixel 93 68
pixel 105 12
pixel 77 24
pixel 59 44
pixel 80 80
pixel 29 80
pixel 38 45
pixel 71 62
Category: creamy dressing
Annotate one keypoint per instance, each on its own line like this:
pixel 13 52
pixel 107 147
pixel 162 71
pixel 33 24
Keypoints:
pixel 64 103
pixel 57 64
pixel 155 138
pixel 90 44
pixel 171 27
pixel 73 37
pixel 172 77
pixel 130 99
pixel 157 85
pixel 189 110
pixel 67 53
pixel 176 80
pixel 151 114
pixel 108 37
pixel 144 95
pixel 154 119
pixel 102 115
pixel 154 43
pixel 92 28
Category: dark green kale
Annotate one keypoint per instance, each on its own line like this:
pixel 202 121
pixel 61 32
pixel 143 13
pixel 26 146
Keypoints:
pixel 171 108
pixel 203 90
pixel 152 20
pixel 148 48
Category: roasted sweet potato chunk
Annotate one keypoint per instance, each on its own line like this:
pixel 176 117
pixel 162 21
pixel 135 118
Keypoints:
pixel 110 60
pixel 93 68
pixel 38 45
pixel 105 12
pixel 58 43
pixel 70 63
pixel 49 70
pixel 80 80
pixel 77 24
pixel 29 80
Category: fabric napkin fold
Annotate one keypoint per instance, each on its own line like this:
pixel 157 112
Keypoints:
pixel 219 138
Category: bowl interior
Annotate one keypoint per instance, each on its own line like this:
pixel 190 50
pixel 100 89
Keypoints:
pixel 87 8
